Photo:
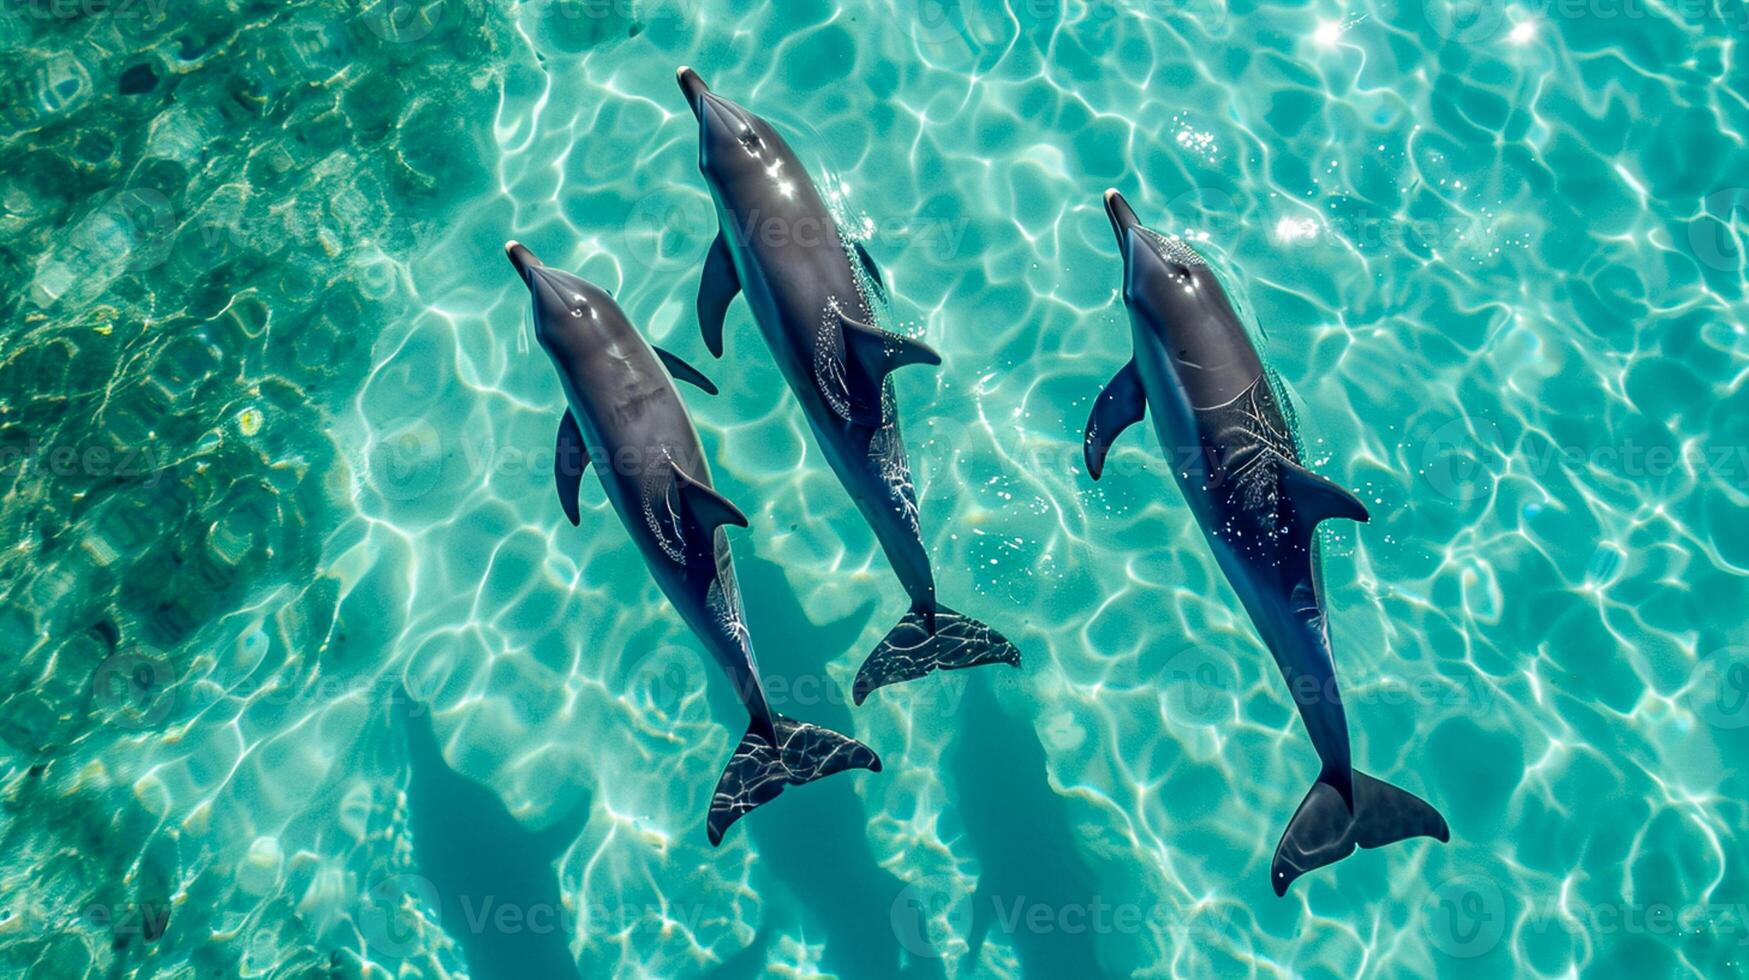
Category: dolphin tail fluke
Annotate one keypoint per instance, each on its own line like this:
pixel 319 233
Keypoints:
pixel 763 765
pixel 930 640
pixel 1324 830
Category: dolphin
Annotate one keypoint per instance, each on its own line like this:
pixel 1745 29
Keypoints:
pixel 813 293
pixel 626 416
pixel 1221 422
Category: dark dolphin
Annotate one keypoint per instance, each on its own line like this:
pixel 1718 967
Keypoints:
pixel 1236 458
pixel 626 416
pixel 813 293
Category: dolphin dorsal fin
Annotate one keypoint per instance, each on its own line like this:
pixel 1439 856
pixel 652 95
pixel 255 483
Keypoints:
pixel 1121 405
pixel 868 266
pixel 569 460
pixel 870 354
pixel 701 506
pixel 1316 499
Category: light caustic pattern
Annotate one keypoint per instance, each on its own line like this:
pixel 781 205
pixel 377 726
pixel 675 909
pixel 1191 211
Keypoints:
pixel 1496 252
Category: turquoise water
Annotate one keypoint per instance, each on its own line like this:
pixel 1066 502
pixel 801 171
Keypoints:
pixel 277 442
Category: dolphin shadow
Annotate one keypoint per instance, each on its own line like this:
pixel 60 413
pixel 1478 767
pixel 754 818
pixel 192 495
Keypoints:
pixel 814 840
pixel 1018 829
pixel 497 889
pixel 747 964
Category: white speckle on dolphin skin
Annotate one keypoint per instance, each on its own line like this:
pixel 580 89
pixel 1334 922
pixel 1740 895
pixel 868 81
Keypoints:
pixel 1174 249
pixel 664 525
pixel 887 450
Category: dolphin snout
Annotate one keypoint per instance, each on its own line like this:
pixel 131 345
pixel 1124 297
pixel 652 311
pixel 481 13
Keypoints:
pixel 1123 218
pixel 691 86
pixel 521 257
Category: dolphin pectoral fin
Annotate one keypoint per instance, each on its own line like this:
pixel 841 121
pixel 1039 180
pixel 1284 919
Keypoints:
pixel 870 354
pixel 916 647
pixel 716 288
pixel 570 458
pixel 868 266
pixel 683 371
pixel 1121 405
pixel 762 766
pixel 1316 499
pixel 703 507
pixel 1325 830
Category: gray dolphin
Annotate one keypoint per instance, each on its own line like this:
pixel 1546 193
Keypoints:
pixel 1236 458
pixel 813 292
pixel 627 417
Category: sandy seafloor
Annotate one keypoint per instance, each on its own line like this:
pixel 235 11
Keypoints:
pixel 277 442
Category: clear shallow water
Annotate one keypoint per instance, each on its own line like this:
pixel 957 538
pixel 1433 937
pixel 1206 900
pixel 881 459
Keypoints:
pixel 1499 265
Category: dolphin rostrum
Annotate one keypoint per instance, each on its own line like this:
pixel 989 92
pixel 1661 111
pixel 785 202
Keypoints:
pixel 1221 423
pixel 812 292
pixel 626 416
